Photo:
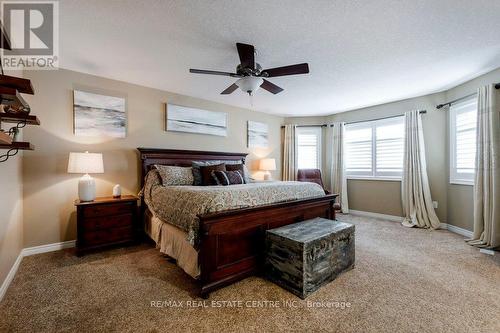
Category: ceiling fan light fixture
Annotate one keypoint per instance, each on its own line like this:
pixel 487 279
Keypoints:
pixel 251 75
pixel 249 84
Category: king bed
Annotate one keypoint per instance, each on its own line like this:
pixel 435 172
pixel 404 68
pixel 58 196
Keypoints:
pixel 216 233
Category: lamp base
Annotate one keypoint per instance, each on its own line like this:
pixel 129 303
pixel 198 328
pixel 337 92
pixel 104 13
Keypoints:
pixel 86 188
pixel 267 176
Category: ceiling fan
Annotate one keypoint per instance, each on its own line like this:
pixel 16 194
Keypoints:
pixel 251 75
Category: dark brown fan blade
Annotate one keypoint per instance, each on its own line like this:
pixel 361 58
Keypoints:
pixel 247 55
pixel 286 70
pixel 229 89
pixel 271 87
pixel 202 71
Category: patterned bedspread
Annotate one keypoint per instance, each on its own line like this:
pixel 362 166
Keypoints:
pixel 180 205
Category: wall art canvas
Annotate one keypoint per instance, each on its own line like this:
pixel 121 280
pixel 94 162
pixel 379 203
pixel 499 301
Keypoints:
pixel 258 134
pixel 99 115
pixel 193 120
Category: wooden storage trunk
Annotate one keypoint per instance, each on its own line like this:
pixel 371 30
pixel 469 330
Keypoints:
pixel 304 256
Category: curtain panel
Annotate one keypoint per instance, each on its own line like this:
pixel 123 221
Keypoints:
pixel 487 176
pixel 289 153
pixel 338 177
pixel 415 191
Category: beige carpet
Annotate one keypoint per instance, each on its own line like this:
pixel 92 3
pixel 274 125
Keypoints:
pixel 405 280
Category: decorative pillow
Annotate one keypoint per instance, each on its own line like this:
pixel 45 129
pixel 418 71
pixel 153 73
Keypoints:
pixel 228 177
pixel 174 175
pixel 196 170
pixel 206 173
pixel 197 164
pixel 246 174
pixel 237 167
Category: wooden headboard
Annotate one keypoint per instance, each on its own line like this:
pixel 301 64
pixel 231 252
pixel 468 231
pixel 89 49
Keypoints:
pixel 151 156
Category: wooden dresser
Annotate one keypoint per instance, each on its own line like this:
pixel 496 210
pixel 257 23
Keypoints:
pixel 106 221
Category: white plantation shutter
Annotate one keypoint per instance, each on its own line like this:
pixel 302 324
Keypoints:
pixel 463 118
pixel 358 141
pixel 375 148
pixel 390 147
pixel 308 147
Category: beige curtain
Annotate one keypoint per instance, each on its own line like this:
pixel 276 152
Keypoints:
pixel 415 191
pixel 289 153
pixel 337 172
pixel 487 179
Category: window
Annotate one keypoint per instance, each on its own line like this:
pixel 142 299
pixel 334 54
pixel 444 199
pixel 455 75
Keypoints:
pixel 463 117
pixel 375 149
pixel 308 147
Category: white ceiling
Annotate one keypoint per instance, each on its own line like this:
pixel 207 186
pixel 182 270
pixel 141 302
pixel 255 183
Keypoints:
pixel 360 52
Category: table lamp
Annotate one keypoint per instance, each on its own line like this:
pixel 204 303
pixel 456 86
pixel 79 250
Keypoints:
pixel 268 164
pixel 85 163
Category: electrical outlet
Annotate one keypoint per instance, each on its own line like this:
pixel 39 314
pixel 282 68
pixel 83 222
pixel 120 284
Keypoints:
pixel 435 204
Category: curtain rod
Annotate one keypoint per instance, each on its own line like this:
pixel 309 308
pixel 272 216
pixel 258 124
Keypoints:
pixel 354 122
pixel 363 121
pixel 323 125
pixel 440 106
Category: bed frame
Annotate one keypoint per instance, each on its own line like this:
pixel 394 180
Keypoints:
pixel 232 242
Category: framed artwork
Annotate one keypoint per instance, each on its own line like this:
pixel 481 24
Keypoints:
pixel 99 115
pixel 193 120
pixel 258 134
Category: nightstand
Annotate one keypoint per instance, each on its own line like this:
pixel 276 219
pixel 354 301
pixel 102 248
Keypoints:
pixel 106 221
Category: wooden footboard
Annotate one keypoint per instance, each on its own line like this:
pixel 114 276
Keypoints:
pixel 232 242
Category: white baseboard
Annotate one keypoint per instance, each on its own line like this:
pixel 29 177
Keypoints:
pixel 6 283
pixel 393 218
pixel 487 251
pixel 29 251
pixel 461 231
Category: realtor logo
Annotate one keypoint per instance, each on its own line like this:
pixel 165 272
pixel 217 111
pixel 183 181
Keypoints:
pixel 33 30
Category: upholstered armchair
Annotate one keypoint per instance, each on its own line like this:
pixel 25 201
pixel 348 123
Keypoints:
pixel 310 175
pixel 313 176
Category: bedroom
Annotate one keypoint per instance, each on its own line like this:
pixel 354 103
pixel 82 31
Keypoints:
pixel 367 61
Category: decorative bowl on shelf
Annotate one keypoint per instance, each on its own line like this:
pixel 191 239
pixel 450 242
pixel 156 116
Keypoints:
pixel 11 109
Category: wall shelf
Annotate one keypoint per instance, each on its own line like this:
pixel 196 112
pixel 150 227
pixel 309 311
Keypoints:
pixel 19 117
pixel 22 85
pixel 4 38
pixel 10 89
pixel 18 145
pixel 5 139
pixel 10 96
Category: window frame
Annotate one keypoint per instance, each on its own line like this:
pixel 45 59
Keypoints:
pixel 455 177
pixel 375 175
pixel 318 131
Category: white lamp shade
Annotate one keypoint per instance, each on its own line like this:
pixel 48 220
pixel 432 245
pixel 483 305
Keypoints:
pixel 85 163
pixel 268 164
pixel 249 84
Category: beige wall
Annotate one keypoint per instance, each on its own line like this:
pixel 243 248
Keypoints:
pixel 11 214
pixel 49 191
pixel 377 196
pixel 11 209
